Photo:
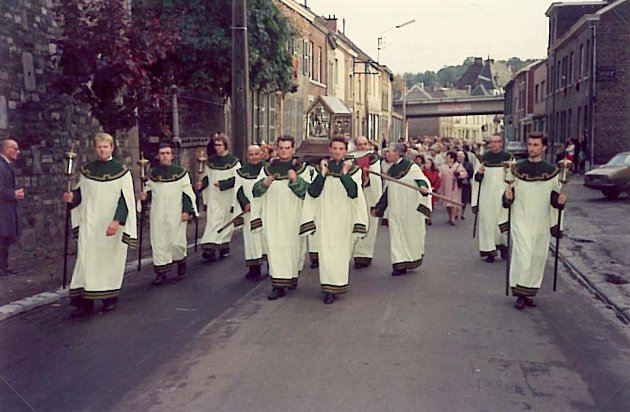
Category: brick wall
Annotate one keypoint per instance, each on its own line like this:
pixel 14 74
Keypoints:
pixel 612 108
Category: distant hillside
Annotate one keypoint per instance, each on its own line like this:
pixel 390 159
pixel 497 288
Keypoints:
pixel 448 75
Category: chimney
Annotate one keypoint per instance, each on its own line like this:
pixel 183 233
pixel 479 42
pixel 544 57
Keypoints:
pixel 478 61
pixel 331 23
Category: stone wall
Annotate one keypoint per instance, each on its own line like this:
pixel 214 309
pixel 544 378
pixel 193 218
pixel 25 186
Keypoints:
pixel 45 124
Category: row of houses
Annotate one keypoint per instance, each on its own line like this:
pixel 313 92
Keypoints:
pixel 340 89
pixel 580 91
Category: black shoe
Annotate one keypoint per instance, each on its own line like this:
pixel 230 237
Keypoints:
pixel 530 302
pixel 520 303
pixel 293 284
pixel 452 223
pixel 399 272
pixel 209 256
pixel 276 293
pixel 361 265
pixel 223 253
pixel 463 217
pixel 181 268
pixel 504 252
pixel 490 258
pixel 328 298
pixel 314 264
pixel 429 222
pixel 159 279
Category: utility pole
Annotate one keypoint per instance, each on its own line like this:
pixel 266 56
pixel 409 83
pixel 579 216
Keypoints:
pixel 241 117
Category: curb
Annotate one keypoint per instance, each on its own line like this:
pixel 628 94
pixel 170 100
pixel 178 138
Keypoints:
pixel 623 314
pixel 47 298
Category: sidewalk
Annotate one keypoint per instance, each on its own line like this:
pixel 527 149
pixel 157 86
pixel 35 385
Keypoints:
pixel 39 281
pixel 596 243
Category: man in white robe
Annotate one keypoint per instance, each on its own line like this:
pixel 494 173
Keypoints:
pixel 407 210
pixel 535 200
pixel 104 218
pixel 246 177
pixel 372 186
pixel 217 188
pixel 172 205
pixel 487 193
pixel 338 215
pixel 281 189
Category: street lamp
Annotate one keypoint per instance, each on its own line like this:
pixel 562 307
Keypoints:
pixel 379 42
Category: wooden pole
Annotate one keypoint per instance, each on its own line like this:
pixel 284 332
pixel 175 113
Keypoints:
pixel 407 185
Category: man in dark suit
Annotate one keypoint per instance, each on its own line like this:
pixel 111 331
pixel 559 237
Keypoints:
pixel 9 197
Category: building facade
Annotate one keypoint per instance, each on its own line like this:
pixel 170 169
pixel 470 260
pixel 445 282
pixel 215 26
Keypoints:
pixel 589 76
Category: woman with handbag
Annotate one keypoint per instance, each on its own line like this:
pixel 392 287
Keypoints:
pixel 450 173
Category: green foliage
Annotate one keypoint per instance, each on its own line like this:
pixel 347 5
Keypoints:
pixel 203 58
pixel 448 75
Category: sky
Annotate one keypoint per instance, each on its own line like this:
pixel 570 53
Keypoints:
pixel 445 32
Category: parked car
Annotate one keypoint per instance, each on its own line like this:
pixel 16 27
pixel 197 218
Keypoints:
pixel 611 178
pixel 518 149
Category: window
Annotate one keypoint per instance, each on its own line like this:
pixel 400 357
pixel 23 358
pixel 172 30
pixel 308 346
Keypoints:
pixel 570 74
pixel 320 65
pixel 306 58
pixel 543 90
pixel 271 121
pixel 311 72
pixel 580 73
pixel 536 93
pixel 587 63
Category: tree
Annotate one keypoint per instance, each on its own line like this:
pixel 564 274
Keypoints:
pixel 202 59
pixel 109 61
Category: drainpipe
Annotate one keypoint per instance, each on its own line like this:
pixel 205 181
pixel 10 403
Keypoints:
pixel 553 106
pixel 592 92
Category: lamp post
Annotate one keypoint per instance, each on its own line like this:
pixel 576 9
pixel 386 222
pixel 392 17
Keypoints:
pixel 379 42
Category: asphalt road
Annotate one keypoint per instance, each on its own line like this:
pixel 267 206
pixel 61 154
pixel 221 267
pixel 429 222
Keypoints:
pixel 444 338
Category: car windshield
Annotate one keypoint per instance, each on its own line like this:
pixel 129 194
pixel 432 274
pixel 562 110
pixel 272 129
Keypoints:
pixel 619 160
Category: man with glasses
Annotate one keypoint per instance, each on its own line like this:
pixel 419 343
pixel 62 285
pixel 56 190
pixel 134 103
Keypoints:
pixel 281 189
pixel 217 188
pixel 487 192
pixel 10 225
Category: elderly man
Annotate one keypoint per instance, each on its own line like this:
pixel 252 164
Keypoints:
pixel 172 205
pixel 246 177
pixel 104 216
pixel 407 210
pixel 372 190
pixel 10 225
pixel 486 199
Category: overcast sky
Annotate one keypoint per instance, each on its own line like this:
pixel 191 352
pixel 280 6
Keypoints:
pixel 445 31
